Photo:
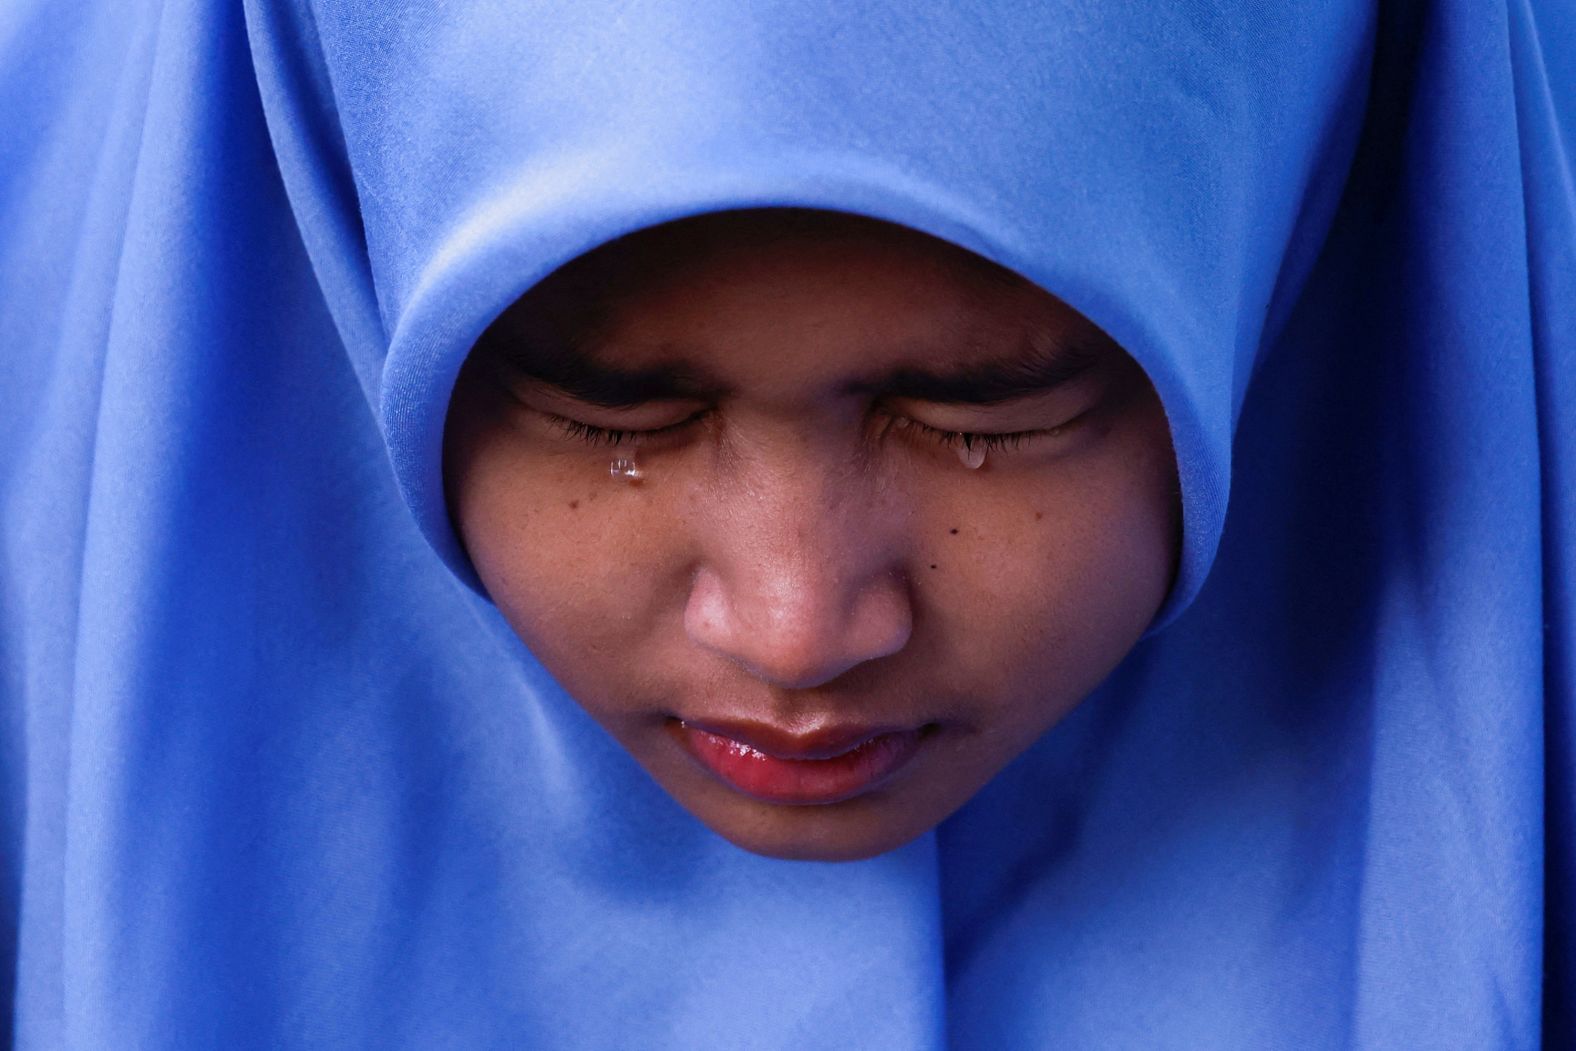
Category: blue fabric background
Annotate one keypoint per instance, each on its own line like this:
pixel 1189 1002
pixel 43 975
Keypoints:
pixel 273 776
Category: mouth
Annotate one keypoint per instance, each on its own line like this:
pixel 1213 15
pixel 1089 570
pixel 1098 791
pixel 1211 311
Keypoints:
pixel 818 768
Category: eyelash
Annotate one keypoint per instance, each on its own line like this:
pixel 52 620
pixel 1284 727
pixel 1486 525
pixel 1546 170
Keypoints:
pixel 595 436
pixel 971 439
pixel 609 436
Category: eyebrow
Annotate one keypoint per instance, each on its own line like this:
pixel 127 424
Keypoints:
pixel 1040 365
pixel 583 378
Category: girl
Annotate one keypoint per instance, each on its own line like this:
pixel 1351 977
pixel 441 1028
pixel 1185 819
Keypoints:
pixel 473 474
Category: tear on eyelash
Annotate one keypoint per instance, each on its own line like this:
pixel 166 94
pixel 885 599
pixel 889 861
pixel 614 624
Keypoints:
pixel 969 441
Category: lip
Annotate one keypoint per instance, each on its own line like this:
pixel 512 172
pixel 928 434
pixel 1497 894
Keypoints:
pixel 816 768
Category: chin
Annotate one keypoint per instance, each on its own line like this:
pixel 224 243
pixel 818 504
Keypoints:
pixel 850 831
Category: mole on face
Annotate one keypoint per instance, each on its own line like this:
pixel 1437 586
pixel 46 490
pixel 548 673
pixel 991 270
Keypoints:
pixel 953 531
pixel 1038 515
pixel 574 505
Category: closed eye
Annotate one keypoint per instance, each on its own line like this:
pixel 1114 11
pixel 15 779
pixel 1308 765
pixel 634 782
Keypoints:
pixel 616 436
pixel 990 442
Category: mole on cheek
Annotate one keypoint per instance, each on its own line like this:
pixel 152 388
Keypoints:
pixel 932 565
pixel 1039 515
pixel 574 505
pixel 953 531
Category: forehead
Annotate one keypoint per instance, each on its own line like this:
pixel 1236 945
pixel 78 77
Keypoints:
pixel 785 289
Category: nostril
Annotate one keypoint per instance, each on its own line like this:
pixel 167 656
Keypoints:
pixel 880 621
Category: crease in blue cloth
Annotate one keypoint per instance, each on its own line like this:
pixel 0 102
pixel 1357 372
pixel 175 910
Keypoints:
pixel 274 774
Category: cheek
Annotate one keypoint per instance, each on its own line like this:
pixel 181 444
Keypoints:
pixel 1054 575
pixel 576 561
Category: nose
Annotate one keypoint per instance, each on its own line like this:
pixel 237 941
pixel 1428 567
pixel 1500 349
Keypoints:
pixel 799 584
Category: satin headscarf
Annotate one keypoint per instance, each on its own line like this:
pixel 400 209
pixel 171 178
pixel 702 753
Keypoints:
pixel 273 774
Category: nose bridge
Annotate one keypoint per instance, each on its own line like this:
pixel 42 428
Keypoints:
pixel 800 576
pixel 802 519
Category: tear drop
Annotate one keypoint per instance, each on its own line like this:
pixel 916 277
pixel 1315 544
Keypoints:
pixel 972 454
pixel 626 469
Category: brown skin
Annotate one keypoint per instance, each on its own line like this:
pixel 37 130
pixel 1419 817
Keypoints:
pixel 799 552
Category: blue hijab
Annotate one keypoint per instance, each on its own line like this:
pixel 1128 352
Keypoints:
pixel 273 774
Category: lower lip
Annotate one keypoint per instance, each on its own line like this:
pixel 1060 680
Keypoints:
pixel 801 782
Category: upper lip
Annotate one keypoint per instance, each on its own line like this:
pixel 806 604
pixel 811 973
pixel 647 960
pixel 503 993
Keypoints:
pixel 822 742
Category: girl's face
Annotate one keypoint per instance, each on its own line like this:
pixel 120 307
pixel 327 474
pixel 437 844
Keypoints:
pixel 885 514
